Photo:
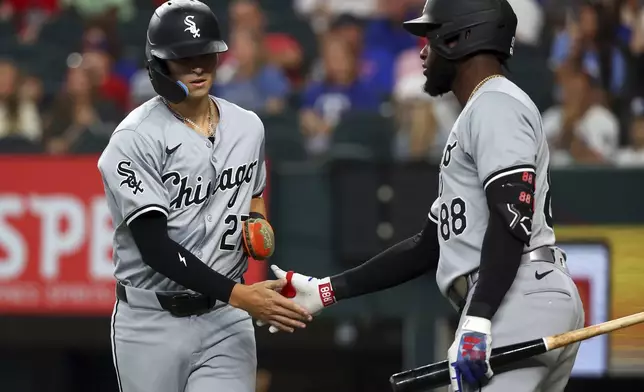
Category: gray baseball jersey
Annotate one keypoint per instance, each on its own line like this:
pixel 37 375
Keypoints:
pixel 155 162
pixel 498 133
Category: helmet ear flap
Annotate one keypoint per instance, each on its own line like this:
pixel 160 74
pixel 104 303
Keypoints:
pixel 172 90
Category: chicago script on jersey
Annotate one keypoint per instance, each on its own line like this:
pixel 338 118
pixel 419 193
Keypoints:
pixel 229 180
pixel 197 193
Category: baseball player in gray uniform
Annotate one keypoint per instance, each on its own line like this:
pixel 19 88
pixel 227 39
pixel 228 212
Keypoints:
pixel 184 175
pixel 489 235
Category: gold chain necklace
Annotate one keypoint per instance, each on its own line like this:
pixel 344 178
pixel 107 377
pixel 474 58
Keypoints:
pixel 478 86
pixel 210 131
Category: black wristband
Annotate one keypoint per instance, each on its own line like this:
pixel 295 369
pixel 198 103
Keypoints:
pixel 256 215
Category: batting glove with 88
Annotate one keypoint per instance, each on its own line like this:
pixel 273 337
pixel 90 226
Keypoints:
pixel 312 294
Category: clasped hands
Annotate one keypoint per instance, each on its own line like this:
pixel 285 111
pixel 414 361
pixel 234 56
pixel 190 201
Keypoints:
pixel 469 355
pixel 311 294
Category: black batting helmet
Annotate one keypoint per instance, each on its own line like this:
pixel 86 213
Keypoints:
pixel 179 29
pixel 459 28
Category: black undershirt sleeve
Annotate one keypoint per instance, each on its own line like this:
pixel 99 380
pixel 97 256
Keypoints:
pixel 500 259
pixel 165 256
pixel 402 262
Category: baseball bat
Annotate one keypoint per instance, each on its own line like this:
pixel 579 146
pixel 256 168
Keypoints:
pixel 436 375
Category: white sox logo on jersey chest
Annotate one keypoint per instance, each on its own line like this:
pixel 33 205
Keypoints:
pixel 230 178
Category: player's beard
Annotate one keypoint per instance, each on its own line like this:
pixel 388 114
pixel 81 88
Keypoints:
pixel 440 75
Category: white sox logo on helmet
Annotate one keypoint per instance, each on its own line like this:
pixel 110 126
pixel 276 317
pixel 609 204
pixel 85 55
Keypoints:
pixel 192 26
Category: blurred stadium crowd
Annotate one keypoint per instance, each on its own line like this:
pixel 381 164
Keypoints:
pixel 324 74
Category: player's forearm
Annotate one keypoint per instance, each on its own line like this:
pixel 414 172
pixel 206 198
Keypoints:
pixel 168 258
pixel 402 262
pixel 500 258
pixel 258 206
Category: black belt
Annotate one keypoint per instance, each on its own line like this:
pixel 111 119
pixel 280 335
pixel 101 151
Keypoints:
pixel 179 305
pixel 458 290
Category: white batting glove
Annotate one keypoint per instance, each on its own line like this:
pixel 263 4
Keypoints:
pixel 310 293
pixel 469 355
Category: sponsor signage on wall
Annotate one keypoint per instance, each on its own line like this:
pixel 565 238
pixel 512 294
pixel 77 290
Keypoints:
pixel 56 238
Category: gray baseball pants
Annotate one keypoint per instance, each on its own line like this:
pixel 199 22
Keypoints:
pixel 534 308
pixel 156 351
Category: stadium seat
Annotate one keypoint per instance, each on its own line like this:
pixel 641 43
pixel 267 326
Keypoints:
pixel 64 31
pixel 363 134
pixel 90 143
pixel 48 62
pixel 6 30
pixel 133 33
pixel 284 141
pixel 300 29
pixel 278 6
pixel 529 70
pixel 220 8
pixel 19 145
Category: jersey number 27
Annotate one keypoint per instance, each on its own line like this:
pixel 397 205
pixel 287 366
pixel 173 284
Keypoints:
pixel 233 222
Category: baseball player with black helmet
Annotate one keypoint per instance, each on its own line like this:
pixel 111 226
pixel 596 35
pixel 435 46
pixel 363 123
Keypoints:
pixel 184 175
pixel 489 235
